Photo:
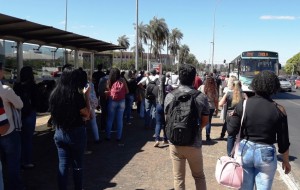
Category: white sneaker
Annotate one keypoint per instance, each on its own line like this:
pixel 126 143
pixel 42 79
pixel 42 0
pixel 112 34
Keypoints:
pixel 156 144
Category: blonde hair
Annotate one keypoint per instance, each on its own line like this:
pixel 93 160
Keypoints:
pixel 237 95
pixel 230 82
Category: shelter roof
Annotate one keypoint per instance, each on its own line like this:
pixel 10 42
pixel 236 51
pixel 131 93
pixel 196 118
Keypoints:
pixel 12 28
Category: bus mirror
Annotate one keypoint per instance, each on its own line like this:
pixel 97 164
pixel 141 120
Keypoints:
pixel 279 66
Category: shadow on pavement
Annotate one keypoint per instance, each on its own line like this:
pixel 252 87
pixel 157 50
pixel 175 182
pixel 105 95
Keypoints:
pixel 100 167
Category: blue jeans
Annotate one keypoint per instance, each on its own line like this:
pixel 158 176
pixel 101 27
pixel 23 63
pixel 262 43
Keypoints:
pixel 28 127
pixel 208 126
pixel 94 126
pixel 11 147
pixel 160 122
pixel 128 106
pixel 1 177
pixel 259 164
pixel 142 108
pixel 115 108
pixel 70 146
pixel 150 107
pixel 230 144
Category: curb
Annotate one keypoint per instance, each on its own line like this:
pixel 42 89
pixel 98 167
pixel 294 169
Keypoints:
pixel 288 179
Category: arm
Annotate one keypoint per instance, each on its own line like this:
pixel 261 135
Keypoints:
pixel 223 100
pixel 14 99
pixel 86 111
pixel 285 162
pixel 204 121
pixel 283 140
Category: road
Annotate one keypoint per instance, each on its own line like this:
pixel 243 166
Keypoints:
pixel 291 102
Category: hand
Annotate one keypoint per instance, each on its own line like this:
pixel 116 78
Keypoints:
pixel 286 167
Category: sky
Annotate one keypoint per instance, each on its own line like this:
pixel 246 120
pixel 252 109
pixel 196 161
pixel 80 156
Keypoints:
pixel 272 25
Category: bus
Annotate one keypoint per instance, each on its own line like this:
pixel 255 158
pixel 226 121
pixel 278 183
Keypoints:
pixel 249 63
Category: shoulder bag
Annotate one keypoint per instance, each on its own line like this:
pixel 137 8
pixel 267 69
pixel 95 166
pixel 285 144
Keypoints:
pixel 229 170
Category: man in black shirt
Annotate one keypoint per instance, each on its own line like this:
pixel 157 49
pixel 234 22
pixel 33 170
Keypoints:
pixel 96 77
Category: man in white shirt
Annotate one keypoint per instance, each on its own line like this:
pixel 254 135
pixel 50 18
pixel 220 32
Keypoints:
pixel 150 105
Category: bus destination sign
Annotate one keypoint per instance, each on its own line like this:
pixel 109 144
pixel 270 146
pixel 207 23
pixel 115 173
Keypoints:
pixel 259 54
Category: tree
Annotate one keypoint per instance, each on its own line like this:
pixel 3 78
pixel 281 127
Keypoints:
pixel 191 59
pixel 293 65
pixel 124 42
pixel 183 53
pixel 143 36
pixel 158 33
pixel 174 42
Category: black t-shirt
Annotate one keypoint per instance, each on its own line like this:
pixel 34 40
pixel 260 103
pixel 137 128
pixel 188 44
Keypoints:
pixel 263 123
pixel 132 85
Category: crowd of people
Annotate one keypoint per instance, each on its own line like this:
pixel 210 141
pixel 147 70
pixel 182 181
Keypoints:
pixel 75 98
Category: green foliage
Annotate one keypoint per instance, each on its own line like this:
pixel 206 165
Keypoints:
pixel 293 65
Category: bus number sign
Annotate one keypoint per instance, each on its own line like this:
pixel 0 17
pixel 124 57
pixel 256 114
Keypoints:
pixel 259 54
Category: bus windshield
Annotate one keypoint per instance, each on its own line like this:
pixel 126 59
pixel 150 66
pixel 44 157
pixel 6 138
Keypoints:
pixel 250 67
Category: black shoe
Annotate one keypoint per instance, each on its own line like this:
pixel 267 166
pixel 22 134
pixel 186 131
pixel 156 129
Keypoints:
pixel 208 138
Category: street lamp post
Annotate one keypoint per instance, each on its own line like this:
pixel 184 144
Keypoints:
pixel 137 33
pixel 66 24
pixel 213 42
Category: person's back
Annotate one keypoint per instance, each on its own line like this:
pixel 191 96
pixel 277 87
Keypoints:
pixel 265 123
pixel 96 77
pixel 192 153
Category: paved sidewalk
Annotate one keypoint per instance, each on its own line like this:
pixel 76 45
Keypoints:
pixel 133 164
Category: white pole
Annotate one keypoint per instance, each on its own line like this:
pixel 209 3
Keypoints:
pixel 137 33
pixel 66 24
pixel 213 41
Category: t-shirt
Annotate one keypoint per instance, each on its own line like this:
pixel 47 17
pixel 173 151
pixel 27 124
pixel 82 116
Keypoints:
pixel 262 123
pixel 202 106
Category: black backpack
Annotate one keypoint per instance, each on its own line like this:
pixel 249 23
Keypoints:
pixel 182 118
pixel 149 94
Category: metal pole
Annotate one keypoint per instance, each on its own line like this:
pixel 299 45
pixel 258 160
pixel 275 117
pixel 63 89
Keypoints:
pixel 137 33
pixel 213 42
pixel 66 24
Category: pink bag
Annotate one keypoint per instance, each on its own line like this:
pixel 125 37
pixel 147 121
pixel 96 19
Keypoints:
pixel 229 172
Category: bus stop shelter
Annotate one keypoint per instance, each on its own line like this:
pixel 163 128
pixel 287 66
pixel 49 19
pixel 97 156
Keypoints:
pixel 23 31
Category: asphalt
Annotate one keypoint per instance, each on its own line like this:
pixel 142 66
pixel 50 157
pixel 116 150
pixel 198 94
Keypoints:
pixel 132 164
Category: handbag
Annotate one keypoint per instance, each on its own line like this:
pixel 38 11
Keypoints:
pixel 229 170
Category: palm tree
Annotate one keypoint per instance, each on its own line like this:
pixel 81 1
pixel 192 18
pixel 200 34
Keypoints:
pixel 158 33
pixel 183 53
pixel 143 37
pixel 174 39
pixel 123 42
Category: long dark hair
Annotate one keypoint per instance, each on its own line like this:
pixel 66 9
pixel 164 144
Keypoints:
pixel 26 75
pixel 114 75
pixel 63 98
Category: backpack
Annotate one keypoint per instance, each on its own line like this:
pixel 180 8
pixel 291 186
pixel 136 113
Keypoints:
pixel 102 86
pixel 182 118
pixel 118 91
pixel 149 94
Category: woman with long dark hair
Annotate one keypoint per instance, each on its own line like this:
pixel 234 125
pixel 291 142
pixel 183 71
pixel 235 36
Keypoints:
pixel 69 107
pixel 210 90
pixel 27 90
pixel 116 90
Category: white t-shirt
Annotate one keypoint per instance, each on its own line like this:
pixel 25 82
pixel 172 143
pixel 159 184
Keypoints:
pixel 145 80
